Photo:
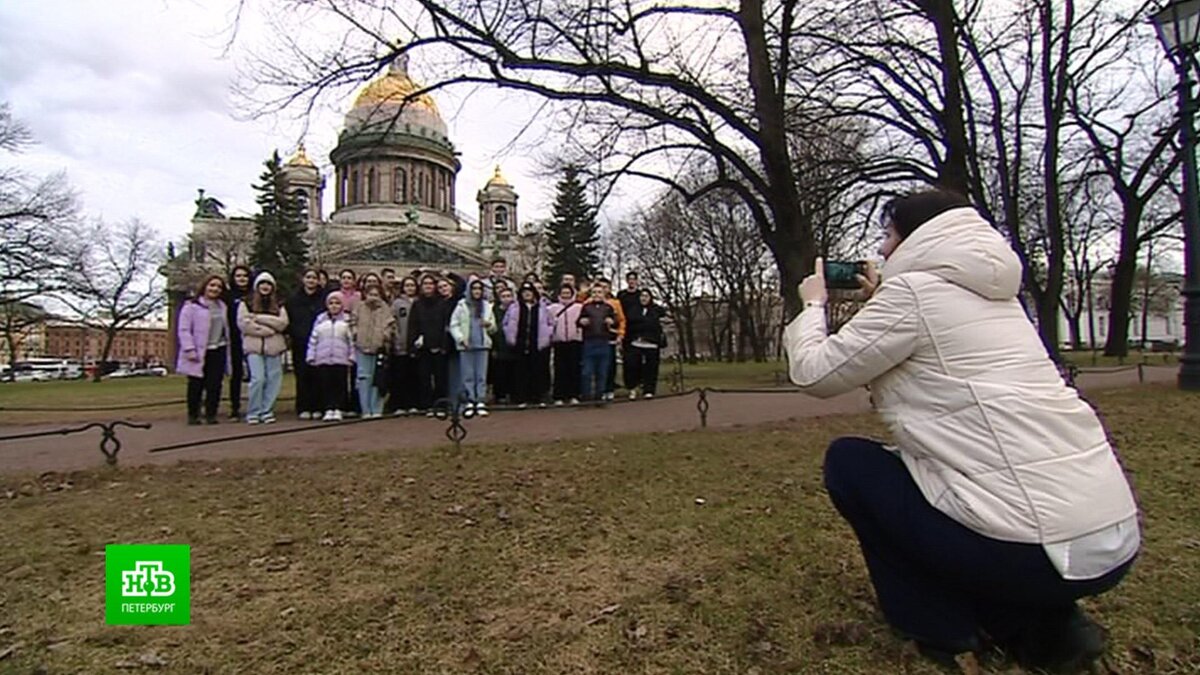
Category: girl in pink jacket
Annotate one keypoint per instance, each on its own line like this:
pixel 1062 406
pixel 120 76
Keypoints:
pixel 331 351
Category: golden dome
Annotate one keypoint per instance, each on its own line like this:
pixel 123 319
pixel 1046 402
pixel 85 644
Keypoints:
pixel 498 179
pixel 395 88
pixel 301 158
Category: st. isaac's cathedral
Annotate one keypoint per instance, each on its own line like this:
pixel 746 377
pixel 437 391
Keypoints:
pixel 393 177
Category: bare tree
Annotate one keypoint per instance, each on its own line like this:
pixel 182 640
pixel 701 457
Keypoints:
pixel 16 321
pixel 119 282
pixel 33 212
pixel 661 86
pixel 666 256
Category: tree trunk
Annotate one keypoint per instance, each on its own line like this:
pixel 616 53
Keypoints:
pixel 110 335
pixel 952 171
pixel 791 241
pixel 1120 306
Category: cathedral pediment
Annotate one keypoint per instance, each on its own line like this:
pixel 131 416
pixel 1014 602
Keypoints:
pixel 410 246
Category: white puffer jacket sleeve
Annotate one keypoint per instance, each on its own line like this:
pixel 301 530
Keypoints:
pixel 878 338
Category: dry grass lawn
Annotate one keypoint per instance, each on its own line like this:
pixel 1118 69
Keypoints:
pixel 586 557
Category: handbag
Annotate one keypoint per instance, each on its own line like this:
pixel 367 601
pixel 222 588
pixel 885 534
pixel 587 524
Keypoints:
pixel 382 379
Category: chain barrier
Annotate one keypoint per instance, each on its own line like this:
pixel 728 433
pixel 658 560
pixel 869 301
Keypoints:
pixel 110 445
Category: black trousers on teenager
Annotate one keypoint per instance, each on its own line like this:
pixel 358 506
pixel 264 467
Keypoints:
pixel 938 581
pixel 432 370
pixel 237 372
pixel 208 387
pixel 500 373
pixel 402 383
pixel 641 369
pixel 308 384
pixel 568 362
pixel 334 382
pixel 530 377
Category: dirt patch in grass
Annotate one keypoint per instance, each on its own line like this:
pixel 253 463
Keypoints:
pixel 697 552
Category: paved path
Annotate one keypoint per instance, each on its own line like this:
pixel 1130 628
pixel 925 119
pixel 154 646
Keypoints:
pixel 81 451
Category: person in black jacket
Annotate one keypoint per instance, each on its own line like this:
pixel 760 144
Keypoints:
pixel 645 338
pixel 629 299
pixel 452 287
pixel 239 288
pixel 429 339
pixel 303 307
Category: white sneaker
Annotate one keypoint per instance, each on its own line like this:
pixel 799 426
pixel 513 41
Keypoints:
pixel 305 416
pixel 328 416
pixel 413 411
pixel 522 406
pixel 574 401
pixel 252 420
pixel 558 403
pixel 481 410
pixel 648 396
pixel 337 416
pixel 431 414
pixel 269 418
pixel 400 413
pixel 633 396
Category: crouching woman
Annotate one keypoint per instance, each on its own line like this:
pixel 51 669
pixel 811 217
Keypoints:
pixel 1002 502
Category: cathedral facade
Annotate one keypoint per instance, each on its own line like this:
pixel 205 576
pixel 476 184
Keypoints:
pixel 391 178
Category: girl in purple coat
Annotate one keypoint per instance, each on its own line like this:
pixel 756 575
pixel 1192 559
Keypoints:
pixel 528 325
pixel 331 351
pixel 204 338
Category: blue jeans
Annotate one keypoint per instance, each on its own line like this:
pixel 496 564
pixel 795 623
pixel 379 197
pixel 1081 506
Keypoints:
pixel 937 580
pixel 474 364
pixel 369 397
pixel 597 357
pixel 266 378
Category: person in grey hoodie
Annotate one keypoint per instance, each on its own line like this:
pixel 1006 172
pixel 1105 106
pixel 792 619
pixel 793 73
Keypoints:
pixel 402 378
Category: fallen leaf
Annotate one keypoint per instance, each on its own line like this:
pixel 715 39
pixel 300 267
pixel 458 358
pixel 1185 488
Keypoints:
pixel 10 650
pixel 288 612
pixel 152 659
pixel 284 541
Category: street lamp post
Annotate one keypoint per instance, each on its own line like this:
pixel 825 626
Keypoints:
pixel 1178 26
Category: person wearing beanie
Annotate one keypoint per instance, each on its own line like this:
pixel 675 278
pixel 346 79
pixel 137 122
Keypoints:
pixel 1001 501
pixel 262 320
pixel 331 351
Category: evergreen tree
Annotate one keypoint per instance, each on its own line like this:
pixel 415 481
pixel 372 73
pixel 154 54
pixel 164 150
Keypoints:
pixel 279 245
pixel 572 239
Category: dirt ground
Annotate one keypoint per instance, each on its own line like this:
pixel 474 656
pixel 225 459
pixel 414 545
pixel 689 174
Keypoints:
pixel 294 438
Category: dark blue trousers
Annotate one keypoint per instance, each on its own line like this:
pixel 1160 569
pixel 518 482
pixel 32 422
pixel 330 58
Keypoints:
pixel 938 581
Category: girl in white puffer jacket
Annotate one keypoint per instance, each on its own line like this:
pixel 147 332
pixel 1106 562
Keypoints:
pixel 1002 502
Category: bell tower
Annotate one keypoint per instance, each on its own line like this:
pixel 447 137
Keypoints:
pixel 497 210
pixel 305 183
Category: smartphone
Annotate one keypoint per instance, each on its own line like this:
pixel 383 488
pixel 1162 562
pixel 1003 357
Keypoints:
pixel 843 275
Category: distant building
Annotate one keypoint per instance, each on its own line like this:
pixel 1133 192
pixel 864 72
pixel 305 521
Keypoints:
pixel 144 343
pixel 23 327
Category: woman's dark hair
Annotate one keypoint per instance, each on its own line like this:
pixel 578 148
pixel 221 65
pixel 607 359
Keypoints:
pixel 231 284
pixel 911 211
pixel 421 284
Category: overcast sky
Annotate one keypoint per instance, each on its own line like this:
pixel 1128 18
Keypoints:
pixel 133 100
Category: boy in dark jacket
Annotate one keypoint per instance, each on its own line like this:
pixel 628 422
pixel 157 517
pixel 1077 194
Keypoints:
pixel 598 321
pixel 303 308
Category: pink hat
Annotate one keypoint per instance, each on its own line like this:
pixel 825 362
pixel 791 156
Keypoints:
pixel 336 294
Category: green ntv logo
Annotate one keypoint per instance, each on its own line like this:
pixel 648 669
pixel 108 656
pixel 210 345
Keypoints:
pixel 147 584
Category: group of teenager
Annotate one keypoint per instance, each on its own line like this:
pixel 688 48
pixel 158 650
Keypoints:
pixel 380 344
